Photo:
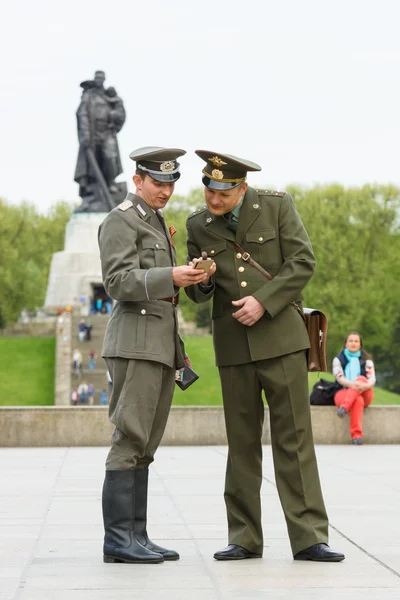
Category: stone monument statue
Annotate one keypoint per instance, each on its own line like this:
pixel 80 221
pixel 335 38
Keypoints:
pixel 75 272
pixel 100 117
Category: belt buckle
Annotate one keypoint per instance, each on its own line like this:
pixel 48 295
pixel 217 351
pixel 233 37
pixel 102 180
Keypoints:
pixel 245 256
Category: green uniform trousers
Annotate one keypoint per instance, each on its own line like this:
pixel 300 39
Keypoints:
pixel 139 407
pixel 284 380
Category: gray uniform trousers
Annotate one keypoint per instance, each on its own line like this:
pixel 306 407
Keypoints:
pixel 139 407
pixel 284 380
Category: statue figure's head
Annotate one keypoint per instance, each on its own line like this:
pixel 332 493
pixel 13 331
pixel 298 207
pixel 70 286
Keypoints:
pixel 99 78
pixel 111 92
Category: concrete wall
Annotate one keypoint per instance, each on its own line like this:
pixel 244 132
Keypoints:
pixel 89 426
pixel 62 382
pixel 30 329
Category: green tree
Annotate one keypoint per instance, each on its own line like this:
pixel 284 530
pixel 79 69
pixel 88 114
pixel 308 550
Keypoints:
pixel 28 240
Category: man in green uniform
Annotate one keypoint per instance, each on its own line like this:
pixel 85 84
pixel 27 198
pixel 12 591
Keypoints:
pixel 142 348
pixel 260 344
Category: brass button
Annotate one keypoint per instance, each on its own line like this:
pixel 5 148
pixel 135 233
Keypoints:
pixel 244 283
pixel 260 239
pixel 212 252
pixel 143 311
pixel 256 206
pixel 209 220
pixel 156 245
pixel 241 269
pixel 238 255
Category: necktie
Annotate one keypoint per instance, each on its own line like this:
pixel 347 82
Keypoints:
pixel 231 221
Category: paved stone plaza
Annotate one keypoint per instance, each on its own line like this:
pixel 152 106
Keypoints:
pixel 51 529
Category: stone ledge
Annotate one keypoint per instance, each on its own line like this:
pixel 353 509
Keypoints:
pixel 187 426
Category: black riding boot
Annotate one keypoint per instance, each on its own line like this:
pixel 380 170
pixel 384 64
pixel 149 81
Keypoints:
pixel 120 544
pixel 141 487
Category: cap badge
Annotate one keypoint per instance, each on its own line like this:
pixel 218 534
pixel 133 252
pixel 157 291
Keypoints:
pixel 217 174
pixel 167 166
pixel 215 160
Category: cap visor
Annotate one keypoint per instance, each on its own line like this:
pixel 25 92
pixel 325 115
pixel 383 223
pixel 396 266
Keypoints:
pixel 165 177
pixel 218 185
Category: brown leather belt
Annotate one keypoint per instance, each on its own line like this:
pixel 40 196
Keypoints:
pixel 173 299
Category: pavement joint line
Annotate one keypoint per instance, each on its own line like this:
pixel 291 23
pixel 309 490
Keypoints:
pixel 363 550
pixel 372 556
pixel 209 573
pixel 23 578
pixel 375 558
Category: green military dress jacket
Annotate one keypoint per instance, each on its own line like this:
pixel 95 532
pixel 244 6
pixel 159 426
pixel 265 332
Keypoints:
pixel 271 231
pixel 137 261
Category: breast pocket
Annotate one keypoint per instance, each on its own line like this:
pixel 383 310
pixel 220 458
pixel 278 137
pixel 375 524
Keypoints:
pixel 263 246
pixel 217 251
pixel 155 253
pixel 139 330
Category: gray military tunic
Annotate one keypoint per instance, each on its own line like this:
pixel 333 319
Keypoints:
pixel 142 347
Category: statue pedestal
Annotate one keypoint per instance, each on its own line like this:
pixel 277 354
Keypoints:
pixel 75 271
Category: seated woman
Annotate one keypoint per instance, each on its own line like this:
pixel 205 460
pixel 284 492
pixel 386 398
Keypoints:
pixel 355 373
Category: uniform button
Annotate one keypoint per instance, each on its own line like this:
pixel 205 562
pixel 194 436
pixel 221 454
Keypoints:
pixel 209 220
pixel 212 252
pixel 143 311
pixel 256 206
pixel 260 239
pixel 244 283
pixel 241 269
pixel 238 255
pixel 156 245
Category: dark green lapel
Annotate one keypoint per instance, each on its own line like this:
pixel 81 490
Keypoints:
pixel 218 226
pixel 249 212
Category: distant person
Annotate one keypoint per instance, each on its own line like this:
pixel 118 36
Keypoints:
pixel 88 330
pixel 99 305
pixel 83 392
pixel 74 398
pixel 108 305
pixel 91 391
pixel 92 360
pixel 81 331
pixel 103 398
pixel 355 373
pixel 77 362
pixel 84 307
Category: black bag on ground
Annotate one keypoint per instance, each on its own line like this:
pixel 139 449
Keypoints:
pixel 323 392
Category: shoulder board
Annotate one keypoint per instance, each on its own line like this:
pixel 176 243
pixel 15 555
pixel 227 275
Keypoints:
pixel 125 205
pixel 271 193
pixel 197 212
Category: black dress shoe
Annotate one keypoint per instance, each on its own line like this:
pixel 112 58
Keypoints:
pixel 319 552
pixel 357 441
pixel 233 552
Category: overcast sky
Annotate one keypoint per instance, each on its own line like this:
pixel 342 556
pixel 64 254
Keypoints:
pixel 309 89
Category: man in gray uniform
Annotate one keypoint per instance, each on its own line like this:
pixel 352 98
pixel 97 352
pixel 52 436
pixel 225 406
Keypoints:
pixel 142 348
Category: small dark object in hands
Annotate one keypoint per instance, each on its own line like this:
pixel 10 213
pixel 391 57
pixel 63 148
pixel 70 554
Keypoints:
pixel 185 378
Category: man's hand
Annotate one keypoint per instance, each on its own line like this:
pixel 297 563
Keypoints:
pixel 187 275
pixel 211 271
pixel 252 310
pixel 188 362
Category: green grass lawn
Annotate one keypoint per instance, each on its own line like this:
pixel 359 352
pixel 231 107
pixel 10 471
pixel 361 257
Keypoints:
pixel 27 374
pixel 207 390
pixel 27 371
